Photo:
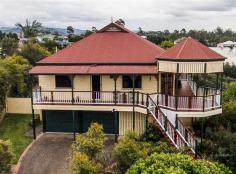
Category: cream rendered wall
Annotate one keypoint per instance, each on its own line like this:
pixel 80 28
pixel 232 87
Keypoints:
pixel 47 82
pixel 126 122
pixel 83 83
pixel 107 83
pixel 149 84
pixel 19 106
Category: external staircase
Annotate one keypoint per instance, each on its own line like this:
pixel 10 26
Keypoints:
pixel 175 133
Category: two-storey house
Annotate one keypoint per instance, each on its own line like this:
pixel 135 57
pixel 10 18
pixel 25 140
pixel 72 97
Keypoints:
pixel 121 80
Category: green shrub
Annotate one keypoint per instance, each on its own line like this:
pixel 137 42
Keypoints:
pixel 203 166
pixel 128 150
pixel 80 164
pixel 6 156
pixel 92 143
pixel 152 133
pixel 131 148
pixel 96 131
pixel 85 150
pixel 176 163
pixel 161 147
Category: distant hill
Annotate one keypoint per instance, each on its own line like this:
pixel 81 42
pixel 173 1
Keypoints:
pixel 9 29
pixel 61 31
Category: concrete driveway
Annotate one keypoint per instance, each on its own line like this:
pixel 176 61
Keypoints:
pixel 48 155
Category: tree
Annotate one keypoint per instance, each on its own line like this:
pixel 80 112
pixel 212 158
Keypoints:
pixel 166 44
pixel 33 52
pixel 13 77
pixel 94 29
pixel 51 45
pixel 30 29
pixel 120 22
pixel 140 31
pixel 9 45
pixel 6 156
pixel 176 163
pixel 70 30
pixel 183 31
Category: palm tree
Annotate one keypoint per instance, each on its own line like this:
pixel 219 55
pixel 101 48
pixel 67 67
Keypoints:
pixel 120 22
pixel 30 29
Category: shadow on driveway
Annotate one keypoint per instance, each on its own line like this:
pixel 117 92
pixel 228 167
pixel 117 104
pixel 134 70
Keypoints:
pixel 48 155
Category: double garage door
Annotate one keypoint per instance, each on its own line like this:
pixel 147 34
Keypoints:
pixel 62 121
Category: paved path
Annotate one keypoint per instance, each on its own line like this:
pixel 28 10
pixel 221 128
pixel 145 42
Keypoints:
pixel 48 155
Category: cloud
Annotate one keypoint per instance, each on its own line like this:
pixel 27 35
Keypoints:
pixel 149 14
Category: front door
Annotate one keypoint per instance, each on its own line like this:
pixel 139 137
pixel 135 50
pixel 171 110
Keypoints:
pixel 166 86
pixel 96 86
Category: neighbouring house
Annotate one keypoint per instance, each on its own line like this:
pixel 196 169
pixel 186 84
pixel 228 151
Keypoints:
pixel 121 80
pixel 228 43
pixel 42 37
pixel 179 40
pixel 229 52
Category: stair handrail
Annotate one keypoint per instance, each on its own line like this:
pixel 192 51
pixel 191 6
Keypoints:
pixel 188 133
pixel 176 137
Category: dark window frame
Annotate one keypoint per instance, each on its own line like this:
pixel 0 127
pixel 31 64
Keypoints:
pixel 127 82
pixel 63 81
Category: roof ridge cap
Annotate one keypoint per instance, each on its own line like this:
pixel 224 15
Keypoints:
pixel 182 47
pixel 116 25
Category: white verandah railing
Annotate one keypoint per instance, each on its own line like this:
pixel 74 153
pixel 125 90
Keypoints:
pixel 182 103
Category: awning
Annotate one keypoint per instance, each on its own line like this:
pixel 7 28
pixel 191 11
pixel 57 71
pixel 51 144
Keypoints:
pixel 94 69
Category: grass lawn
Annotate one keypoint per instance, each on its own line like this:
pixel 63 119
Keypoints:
pixel 13 127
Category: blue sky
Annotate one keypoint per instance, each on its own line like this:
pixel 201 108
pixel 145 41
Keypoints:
pixel 148 14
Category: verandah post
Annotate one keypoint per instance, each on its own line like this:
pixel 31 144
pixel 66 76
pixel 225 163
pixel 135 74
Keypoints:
pixel 115 88
pixel 176 128
pixel 72 89
pixel 221 87
pixel 133 85
pixel 33 115
pixel 73 118
pixel 52 96
pixel 137 99
pixel 142 102
pixel 147 102
pixel 204 87
pixel 176 88
pixel 176 92
pixel 116 124
pixel 201 134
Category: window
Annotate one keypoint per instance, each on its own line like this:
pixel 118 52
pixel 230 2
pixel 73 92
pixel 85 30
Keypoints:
pixel 128 82
pixel 63 81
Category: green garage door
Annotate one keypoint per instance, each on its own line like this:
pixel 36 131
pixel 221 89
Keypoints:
pixel 59 121
pixel 107 119
pixel 62 121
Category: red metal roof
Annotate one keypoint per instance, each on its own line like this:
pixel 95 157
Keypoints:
pixel 190 49
pixel 106 46
pixel 94 69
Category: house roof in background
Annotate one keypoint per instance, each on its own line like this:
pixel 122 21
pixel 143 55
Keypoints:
pixel 189 50
pixel 94 69
pixel 111 44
